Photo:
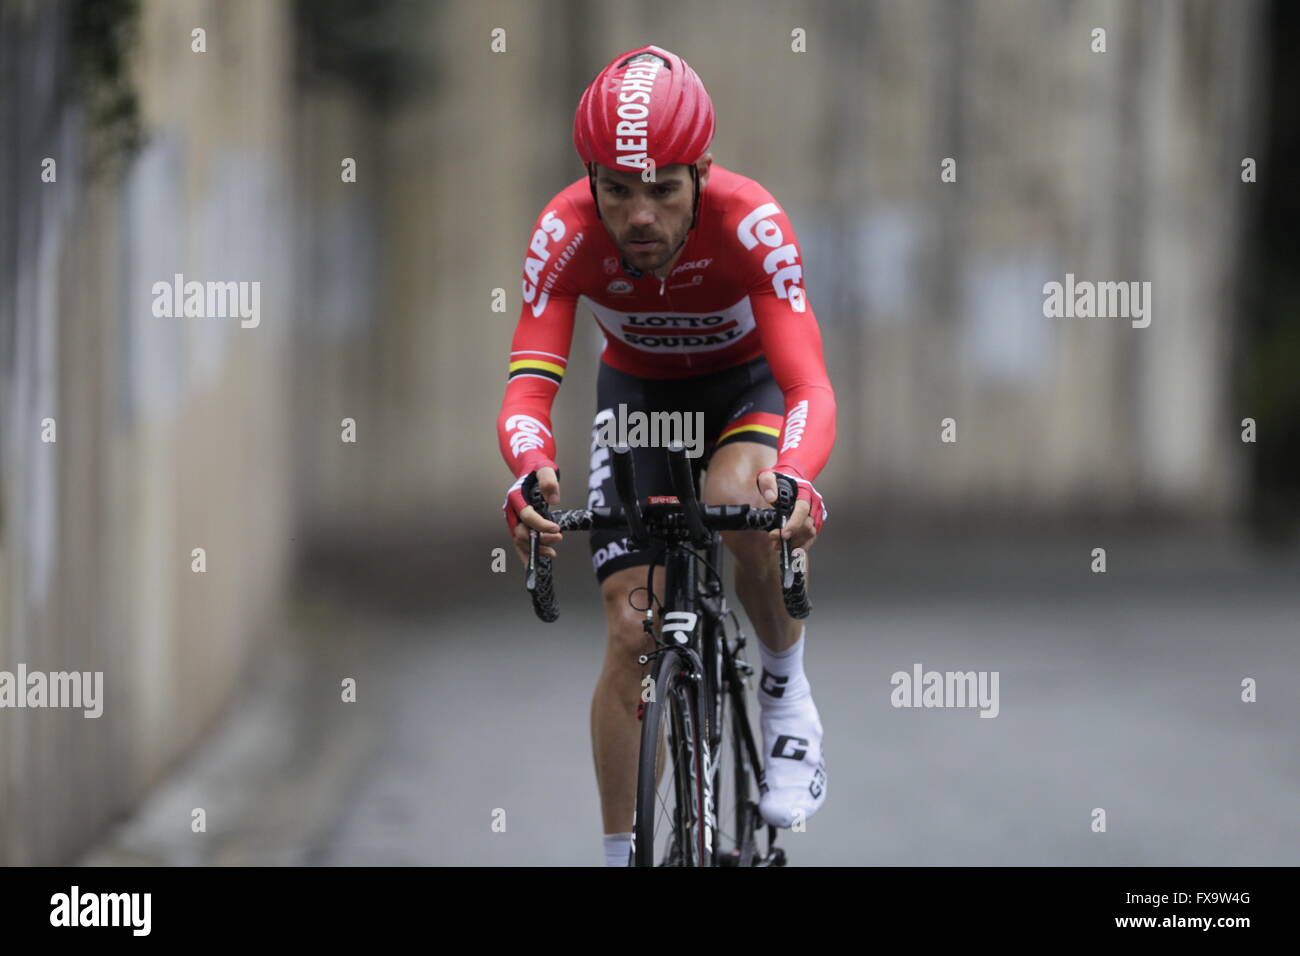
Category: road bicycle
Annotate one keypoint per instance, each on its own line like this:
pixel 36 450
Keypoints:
pixel 694 723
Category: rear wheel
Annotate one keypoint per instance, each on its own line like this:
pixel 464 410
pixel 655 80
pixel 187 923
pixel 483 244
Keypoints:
pixel 734 782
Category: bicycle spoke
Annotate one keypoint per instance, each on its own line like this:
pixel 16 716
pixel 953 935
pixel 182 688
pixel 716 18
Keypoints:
pixel 669 803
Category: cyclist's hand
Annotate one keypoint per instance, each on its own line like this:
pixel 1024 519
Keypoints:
pixel 806 517
pixel 520 516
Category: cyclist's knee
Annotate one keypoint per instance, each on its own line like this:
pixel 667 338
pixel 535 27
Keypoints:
pixel 625 631
pixel 731 479
pixel 751 550
pixel 627 637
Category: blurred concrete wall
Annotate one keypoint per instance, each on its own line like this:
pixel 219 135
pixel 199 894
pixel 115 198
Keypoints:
pixel 171 432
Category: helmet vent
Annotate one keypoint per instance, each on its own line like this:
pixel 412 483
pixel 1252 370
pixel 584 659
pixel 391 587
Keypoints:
pixel 645 56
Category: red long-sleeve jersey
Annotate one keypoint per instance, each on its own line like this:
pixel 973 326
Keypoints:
pixel 736 293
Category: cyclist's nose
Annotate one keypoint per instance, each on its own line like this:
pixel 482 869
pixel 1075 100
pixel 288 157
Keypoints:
pixel 643 214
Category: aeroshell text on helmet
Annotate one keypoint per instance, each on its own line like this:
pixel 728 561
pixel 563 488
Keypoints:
pixel 631 137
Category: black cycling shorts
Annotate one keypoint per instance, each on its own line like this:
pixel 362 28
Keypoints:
pixel 738 404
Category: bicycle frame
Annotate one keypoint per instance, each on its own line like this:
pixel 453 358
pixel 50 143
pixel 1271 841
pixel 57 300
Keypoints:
pixel 696 604
pixel 692 621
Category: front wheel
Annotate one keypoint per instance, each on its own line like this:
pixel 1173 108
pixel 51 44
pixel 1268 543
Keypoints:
pixel 673 824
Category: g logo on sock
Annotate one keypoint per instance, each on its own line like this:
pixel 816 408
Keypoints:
pixel 772 685
pixel 818 780
pixel 782 742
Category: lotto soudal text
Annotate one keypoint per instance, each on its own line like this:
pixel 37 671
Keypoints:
pixel 76 689
pixel 677 331
pixel 102 909
pixel 652 430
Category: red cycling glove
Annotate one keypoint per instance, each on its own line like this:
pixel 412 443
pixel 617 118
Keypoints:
pixel 806 492
pixel 515 502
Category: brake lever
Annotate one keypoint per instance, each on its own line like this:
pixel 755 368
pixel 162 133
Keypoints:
pixel 785 498
pixel 533 495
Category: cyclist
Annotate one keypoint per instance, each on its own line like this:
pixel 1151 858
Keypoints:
pixel 694 275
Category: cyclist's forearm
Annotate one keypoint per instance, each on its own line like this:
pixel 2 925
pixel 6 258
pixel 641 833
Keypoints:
pixel 793 345
pixel 524 431
pixel 808 434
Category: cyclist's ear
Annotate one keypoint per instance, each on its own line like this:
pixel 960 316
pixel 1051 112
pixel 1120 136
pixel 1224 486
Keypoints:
pixel 702 168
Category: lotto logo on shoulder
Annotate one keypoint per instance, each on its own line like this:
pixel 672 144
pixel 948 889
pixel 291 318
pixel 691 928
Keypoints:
pixel 782 263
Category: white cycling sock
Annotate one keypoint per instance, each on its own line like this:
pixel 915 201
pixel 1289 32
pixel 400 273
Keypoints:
pixel 783 679
pixel 617 848
pixel 792 739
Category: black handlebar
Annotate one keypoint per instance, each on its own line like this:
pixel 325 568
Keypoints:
pixel 679 471
pixel 686 520
pixel 670 519
pixel 625 485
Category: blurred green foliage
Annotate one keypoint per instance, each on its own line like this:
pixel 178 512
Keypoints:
pixel 103 37
pixel 365 45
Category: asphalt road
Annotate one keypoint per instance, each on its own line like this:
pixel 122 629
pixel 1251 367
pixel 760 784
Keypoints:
pixel 1119 691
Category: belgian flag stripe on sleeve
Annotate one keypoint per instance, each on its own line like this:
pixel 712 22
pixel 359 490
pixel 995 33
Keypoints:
pixel 538 368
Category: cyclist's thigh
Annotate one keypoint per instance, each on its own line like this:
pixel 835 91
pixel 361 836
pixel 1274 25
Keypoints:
pixel 747 442
pixel 611 551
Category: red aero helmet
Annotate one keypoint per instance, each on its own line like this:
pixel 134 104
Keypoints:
pixel 646 105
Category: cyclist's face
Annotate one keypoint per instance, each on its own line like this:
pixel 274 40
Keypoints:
pixel 646 220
